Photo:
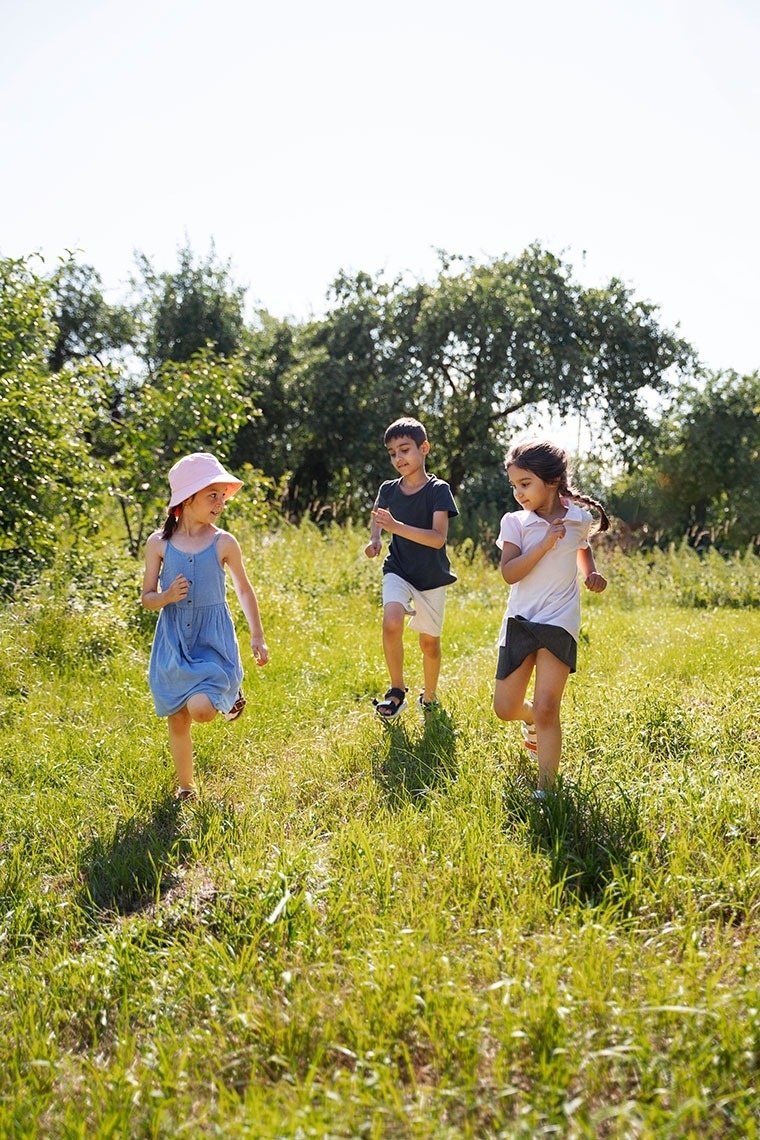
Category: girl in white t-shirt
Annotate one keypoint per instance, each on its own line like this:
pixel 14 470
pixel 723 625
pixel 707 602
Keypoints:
pixel 543 546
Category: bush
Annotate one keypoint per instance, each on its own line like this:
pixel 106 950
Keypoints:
pixel 685 577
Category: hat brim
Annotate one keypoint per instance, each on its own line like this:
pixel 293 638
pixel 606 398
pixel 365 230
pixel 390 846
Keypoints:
pixel 233 486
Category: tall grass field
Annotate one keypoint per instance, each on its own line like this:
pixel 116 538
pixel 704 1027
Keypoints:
pixel 372 930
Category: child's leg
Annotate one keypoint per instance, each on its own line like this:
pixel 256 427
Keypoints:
pixel 551 678
pixel 431 664
pixel 509 701
pixel 393 642
pixel 200 708
pixel 181 746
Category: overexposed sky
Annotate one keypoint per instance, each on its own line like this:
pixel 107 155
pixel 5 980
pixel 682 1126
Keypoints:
pixel 306 137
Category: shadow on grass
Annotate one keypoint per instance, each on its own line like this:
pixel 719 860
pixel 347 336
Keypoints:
pixel 588 834
pixel 415 761
pixel 136 864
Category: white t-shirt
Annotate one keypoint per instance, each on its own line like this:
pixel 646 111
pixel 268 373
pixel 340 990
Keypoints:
pixel 549 593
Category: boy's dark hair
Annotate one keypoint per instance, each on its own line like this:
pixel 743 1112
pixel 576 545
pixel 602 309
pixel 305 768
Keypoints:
pixel 406 426
pixel 550 463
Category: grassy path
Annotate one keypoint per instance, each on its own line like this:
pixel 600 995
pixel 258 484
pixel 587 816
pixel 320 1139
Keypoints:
pixel 368 930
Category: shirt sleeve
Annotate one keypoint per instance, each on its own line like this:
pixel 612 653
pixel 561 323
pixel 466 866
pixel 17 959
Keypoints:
pixel 443 500
pixel 384 493
pixel 510 531
pixel 587 521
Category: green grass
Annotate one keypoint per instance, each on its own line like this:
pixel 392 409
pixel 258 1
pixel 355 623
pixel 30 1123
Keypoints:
pixel 369 930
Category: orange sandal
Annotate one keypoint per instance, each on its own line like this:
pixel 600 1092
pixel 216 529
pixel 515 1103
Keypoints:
pixel 529 736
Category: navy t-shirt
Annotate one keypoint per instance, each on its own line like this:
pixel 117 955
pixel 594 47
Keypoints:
pixel 423 567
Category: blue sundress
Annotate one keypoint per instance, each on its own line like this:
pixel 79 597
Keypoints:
pixel 195 647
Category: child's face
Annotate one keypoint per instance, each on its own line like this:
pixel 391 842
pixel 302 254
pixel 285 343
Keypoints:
pixel 209 503
pixel 407 456
pixel 532 493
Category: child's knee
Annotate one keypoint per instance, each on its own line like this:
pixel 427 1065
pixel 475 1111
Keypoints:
pixel 506 705
pixel 546 711
pixel 502 709
pixel 200 708
pixel 393 617
pixel 430 645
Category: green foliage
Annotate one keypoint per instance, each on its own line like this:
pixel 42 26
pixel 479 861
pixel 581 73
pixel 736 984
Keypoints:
pixel 85 325
pixel 184 312
pixel 50 481
pixel 370 929
pixel 80 609
pixel 271 350
pixel 492 343
pixel 685 577
pixel 342 383
pixel 474 355
pixel 477 354
pixel 25 327
pixel 198 406
pixel 702 475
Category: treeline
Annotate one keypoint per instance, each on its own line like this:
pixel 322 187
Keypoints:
pixel 99 399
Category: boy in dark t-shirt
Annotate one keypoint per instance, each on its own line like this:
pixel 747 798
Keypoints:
pixel 415 510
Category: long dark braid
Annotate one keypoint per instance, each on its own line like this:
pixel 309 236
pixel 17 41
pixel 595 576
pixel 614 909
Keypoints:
pixel 171 521
pixel 551 464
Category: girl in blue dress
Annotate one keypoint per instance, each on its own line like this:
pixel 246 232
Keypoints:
pixel 195 668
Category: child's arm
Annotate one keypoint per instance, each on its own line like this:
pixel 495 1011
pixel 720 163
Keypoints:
pixel 232 558
pixel 593 580
pixel 436 536
pixel 375 544
pixel 152 597
pixel 516 563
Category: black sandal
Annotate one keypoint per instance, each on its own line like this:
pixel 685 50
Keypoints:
pixel 388 708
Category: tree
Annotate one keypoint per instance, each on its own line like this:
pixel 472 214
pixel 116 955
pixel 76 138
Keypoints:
pixel 352 381
pixel 271 351
pixel 26 330
pixel 196 307
pixel 196 406
pixel 328 390
pixel 489 344
pixel 702 475
pixel 86 326
pixel 50 481
pixel 475 354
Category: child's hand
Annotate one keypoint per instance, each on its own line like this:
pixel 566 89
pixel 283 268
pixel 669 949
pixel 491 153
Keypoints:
pixel 260 651
pixel 384 519
pixel 555 532
pixel 178 589
pixel 373 548
pixel 596 583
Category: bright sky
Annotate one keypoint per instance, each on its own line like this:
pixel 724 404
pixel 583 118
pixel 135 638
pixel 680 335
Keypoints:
pixel 303 138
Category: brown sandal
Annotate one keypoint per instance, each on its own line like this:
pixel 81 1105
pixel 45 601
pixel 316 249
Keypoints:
pixel 237 708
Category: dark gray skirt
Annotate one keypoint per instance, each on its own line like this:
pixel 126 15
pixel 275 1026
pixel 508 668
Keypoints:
pixel 525 637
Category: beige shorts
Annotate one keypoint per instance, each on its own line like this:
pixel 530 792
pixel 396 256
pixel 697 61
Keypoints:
pixel 425 607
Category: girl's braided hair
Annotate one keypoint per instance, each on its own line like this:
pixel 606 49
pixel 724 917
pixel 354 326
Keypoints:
pixel 550 463
pixel 171 521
